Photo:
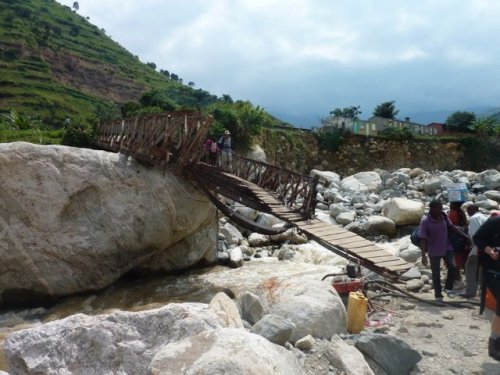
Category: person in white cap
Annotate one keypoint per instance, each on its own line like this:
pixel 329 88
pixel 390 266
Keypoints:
pixel 225 145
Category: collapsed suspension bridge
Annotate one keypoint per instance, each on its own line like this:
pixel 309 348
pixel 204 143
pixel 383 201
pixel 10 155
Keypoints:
pixel 174 141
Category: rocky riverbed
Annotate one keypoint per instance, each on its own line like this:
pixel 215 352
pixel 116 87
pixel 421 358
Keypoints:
pixel 263 307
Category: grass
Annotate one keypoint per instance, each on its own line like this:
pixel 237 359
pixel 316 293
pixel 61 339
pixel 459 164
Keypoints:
pixel 44 137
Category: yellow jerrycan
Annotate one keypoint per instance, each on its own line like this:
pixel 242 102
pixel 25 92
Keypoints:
pixel 357 304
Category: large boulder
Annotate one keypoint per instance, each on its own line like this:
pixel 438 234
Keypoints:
pixel 224 351
pixel 380 225
pixel 490 179
pixel 257 153
pixel 227 311
pixel 232 234
pixel 403 211
pixel 118 343
pixel 313 306
pixel 347 358
pixel 393 355
pixel 77 219
pixel 326 176
pixel 274 328
pixel 492 194
pixel 362 181
pixel 431 185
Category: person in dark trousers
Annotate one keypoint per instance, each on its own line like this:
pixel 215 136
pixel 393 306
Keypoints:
pixel 487 239
pixel 433 235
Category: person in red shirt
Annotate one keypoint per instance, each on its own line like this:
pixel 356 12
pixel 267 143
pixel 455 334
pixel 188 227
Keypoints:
pixel 459 219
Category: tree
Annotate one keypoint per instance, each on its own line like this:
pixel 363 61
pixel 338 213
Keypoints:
pixel 191 84
pixel 347 112
pixel 386 110
pixel 151 65
pixel 174 77
pixel 156 98
pixel 460 121
pixel 227 98
pixel 76 6
pixel 165 73
pixel 484 126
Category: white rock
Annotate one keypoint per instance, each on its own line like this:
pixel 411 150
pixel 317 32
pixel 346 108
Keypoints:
pixel 251 308
pixel 487 204
pixel 362 182
pixel 291 235
pixel 431 185
pixel 490 179
pixel 403 211
pixel 78 219
pixel 227 311
pixel 415 172
pixel 346 358
pixel 305 343
pixel 414 284
pixel 257 153
pixel 337 208
pixel 235 257
pixel 345 218
pixel 224 351
pixel 327 176
pixel 118 343
pixel 377 225
pixel 249 213
pixel 274 328
pixel 268 220
pixel 412 273
pixel 493 194
pixel 312 305
pixel 258 240
pixel 232 234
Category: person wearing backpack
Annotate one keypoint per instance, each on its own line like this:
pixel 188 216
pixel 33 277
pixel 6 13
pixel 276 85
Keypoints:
pixel 226 147
pixel 487 239
pixel 434 242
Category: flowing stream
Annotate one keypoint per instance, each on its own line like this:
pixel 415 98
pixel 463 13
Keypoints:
pixel 310 261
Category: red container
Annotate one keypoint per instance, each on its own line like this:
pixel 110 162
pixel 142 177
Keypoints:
pixel 491 303
pixel 346 287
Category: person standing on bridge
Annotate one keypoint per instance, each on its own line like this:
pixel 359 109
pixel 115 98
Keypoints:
pixel 225 145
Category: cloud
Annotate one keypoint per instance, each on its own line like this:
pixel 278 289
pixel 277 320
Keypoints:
pixel 308 56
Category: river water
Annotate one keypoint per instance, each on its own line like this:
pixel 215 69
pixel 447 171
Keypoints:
pixel 310 261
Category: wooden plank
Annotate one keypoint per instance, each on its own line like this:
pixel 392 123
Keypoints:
pixel 400 268
pixel 390 263
pixel 335 237
pixel 326 230
pixel 312 223
pixel 379 259
pixel 365 250
pixel 349 242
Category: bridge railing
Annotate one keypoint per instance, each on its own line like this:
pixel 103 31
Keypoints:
pixel 293 189
pixel 169 139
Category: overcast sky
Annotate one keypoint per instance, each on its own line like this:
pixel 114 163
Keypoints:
pixel 301 58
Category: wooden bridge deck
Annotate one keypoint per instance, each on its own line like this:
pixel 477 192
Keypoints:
pixel 174 140
pixel 333 237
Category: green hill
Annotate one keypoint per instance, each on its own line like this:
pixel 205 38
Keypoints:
pixel 55 63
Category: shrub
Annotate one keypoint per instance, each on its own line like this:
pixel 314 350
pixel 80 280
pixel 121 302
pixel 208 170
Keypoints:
pixel 80 132
pixel 331 140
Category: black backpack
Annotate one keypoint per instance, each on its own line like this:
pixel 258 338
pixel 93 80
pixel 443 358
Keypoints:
pixel 415 238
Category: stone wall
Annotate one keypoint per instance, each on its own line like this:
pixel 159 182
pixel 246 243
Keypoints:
pixel 299 151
